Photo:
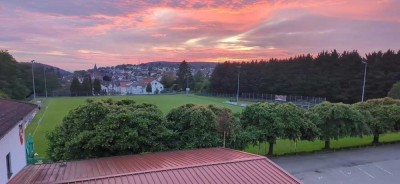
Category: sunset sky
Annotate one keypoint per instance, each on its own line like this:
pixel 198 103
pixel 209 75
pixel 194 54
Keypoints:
pixel 76 34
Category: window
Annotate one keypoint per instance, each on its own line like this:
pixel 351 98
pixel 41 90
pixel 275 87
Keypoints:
pixel 8 161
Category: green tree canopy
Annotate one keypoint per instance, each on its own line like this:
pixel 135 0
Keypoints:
pixel 12 78
pixel 225 120
pixel 338 120
pixel 395 91
pixel 184 74
pixel 168 79
pixel 86 86
pixel 107 128
pixel 3 95
pixel 194 127
pixel 75 87
pixel 384 118
pixel 336 76
pixel 149 88
pixel 96 86
pixel 270 121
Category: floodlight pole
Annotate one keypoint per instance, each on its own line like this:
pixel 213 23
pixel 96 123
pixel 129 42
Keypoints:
pixel 33 82
pixel 237 93
pixel 187 83
pixel 365 74
pixel 45 82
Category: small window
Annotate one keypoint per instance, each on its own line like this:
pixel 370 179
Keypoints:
pixel 8 161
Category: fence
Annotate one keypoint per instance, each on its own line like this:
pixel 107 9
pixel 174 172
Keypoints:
pixel 301 101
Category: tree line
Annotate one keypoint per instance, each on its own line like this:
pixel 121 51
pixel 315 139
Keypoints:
pixel 336 76
pixel 16 78
pixel 107 127
pixel 86 88
pixel 185 79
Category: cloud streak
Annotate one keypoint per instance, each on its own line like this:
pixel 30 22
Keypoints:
pixel 77 34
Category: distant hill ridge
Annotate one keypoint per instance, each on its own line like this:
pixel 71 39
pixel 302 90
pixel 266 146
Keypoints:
pixel 60 71
pixel 172 64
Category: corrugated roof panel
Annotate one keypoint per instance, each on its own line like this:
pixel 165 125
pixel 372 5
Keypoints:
pixel 212 165
pixel 210 174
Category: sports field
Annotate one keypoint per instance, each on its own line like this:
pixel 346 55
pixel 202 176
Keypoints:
pixel 54 109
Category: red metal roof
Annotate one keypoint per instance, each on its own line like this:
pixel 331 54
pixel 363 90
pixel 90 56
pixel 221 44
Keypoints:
pixel 12 112
pixel 211 165
pixel 124 84
pixel 146 81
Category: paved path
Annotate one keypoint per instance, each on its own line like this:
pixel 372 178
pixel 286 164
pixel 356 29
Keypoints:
pixel 365 165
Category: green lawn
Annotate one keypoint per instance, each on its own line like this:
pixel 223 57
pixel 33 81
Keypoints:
pixel 54 109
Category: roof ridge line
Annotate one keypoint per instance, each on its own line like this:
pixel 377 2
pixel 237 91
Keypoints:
pixel 164 169
pixel 18 101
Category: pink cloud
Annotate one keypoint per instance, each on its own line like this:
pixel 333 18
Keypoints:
pixel 78 34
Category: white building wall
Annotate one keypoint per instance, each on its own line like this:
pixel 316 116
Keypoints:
pixel 10 143
pixel 123 90
pixel 156 85
pixel 136 90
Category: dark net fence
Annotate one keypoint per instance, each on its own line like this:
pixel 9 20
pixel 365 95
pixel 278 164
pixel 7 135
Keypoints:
pixel 301 101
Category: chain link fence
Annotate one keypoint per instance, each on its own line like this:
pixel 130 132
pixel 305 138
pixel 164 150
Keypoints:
pixel 301 101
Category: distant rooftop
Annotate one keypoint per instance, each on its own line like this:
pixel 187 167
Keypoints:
pixel 211 165
pixel 12 112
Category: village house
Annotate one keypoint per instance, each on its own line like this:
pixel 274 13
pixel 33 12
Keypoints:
pixel 14 118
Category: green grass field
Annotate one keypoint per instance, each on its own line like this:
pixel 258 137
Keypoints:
pixel 54 109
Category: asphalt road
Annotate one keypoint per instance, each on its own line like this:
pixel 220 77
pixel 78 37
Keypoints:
pixel 379 164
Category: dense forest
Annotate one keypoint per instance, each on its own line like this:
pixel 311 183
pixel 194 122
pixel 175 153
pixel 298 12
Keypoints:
pixel 336 76
pixel 16 78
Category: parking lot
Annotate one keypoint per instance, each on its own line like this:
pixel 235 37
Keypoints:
pixel 365 165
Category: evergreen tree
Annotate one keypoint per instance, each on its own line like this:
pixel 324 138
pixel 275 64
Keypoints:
pixel 184 74
pixel 75 87
pixel 86 88
pixel 148 88
pixel 336 76
pixel 96 86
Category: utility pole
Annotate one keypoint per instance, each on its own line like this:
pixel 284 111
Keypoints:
pixel 237 94
pixel 45 82
pixel 365 75
pixel 33 82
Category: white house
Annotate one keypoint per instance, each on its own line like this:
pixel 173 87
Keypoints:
pixel 14 118
pixel 104 88
pixel 140 87
pixel 112 88
pixel 156 86
pixel 123 87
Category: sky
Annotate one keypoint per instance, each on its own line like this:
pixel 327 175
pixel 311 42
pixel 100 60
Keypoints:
pixel 77 34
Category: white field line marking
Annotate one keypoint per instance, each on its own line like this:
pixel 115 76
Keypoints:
pixel 365 172
pixel 39 121
pixel 383 169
